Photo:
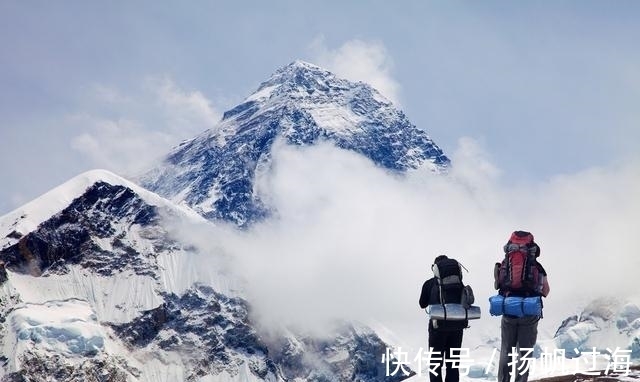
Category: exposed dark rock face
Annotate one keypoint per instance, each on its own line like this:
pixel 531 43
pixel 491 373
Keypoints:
pixel 39 368
pixel 103 214
pixel 219 335
pixel 214 330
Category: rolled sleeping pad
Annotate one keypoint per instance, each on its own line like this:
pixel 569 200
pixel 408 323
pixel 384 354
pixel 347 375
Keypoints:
pixel 454 312
pixel 515 306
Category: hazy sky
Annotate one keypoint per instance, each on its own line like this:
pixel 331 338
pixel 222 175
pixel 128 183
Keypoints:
pixel 545 88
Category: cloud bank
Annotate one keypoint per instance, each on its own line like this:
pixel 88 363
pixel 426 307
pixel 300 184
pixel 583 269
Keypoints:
pixel 352 241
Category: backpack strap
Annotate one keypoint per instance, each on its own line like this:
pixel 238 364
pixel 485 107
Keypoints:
pixel 529 263
pixel 439 281
pixel 508 275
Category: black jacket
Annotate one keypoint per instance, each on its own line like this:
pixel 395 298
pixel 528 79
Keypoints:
pixel 425 295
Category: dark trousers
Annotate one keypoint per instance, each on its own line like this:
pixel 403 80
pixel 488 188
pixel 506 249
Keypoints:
pixel 442 341
pixel 516 333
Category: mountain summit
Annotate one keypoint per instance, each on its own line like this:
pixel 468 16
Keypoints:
pixel 301 104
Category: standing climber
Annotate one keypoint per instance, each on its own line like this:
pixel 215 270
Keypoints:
pixel 444 335
pixel 519 275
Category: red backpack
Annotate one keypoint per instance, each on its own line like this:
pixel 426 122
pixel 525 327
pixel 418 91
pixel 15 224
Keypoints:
pixel 519 273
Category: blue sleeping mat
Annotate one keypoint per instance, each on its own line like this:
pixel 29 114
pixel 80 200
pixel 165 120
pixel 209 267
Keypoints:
pixel 515 306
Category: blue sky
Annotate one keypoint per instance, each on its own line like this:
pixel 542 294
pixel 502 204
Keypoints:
pixel 545 88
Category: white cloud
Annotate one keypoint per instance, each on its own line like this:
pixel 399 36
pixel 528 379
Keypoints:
pixel 359 60
pixel 110 95
pixel 148 122
pixel 472 166
pixel 352 241
pixel 187 111
pixel 122 146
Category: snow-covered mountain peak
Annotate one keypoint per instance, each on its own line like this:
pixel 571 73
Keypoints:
pixel 300 104
pixel 300 64
pixel 298 78
pixel 296 71
pixel 303 81
pixel 26 218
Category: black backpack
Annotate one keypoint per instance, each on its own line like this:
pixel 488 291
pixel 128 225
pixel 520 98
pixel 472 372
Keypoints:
pixel 450 289
pixel 448 274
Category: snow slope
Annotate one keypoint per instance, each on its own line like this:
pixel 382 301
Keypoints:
pixel 25 219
